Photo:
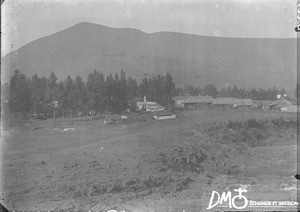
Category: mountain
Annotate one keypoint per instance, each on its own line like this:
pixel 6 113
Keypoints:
pixel 194 59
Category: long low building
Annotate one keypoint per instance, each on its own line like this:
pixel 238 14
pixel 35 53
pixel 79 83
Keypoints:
pixel 224 101
pixel 154 107
pixel 164 116
pixel 242 103
pixel 283 105
pixel 185 101
pixel 262 104
pixel 280 103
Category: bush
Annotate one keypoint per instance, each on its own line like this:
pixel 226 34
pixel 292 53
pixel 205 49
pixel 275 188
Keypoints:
pixel 281 123
pixel 233 124
pixel 253 123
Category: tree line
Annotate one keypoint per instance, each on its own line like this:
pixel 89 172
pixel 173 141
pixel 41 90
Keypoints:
pixel 98 94
pixel 109 94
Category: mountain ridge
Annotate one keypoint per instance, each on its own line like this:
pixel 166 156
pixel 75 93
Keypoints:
pixel 152 33
pixel 194 59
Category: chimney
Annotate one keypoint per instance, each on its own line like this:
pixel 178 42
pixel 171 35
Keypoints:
pixel 145 98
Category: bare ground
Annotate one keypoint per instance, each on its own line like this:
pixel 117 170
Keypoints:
pixel 145 165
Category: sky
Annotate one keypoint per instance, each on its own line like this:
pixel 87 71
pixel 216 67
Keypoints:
pixel 24 21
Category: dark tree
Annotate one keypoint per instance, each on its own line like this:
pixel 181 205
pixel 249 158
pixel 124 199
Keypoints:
pixel 20 98
pixel 38 88
pixel 51 89
pixel 95 91
pixel 79 94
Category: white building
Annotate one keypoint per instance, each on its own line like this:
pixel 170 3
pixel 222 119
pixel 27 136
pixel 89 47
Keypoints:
pixel 149 106
pixel 164 116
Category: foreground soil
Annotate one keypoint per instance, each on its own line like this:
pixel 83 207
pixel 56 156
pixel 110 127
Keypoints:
pixel 140 164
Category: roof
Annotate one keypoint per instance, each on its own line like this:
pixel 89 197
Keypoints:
pixel 262 102
pixel 280 103
pixel 214 101
pixel 223 101
pixel 243 102
pixel 151 106
pixel 291 108
pixel 164 114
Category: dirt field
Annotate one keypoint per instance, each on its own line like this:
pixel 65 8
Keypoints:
pixel 141 164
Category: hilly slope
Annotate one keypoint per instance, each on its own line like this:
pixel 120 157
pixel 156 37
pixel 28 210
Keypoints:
pixel 193 59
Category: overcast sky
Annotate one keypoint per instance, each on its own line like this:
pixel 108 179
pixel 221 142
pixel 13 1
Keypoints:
pixel 26 20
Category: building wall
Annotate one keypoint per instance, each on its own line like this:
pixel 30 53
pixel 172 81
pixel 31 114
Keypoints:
pixel 173 116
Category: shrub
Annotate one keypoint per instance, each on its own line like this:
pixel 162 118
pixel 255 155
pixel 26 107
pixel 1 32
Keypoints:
pixel 253 123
